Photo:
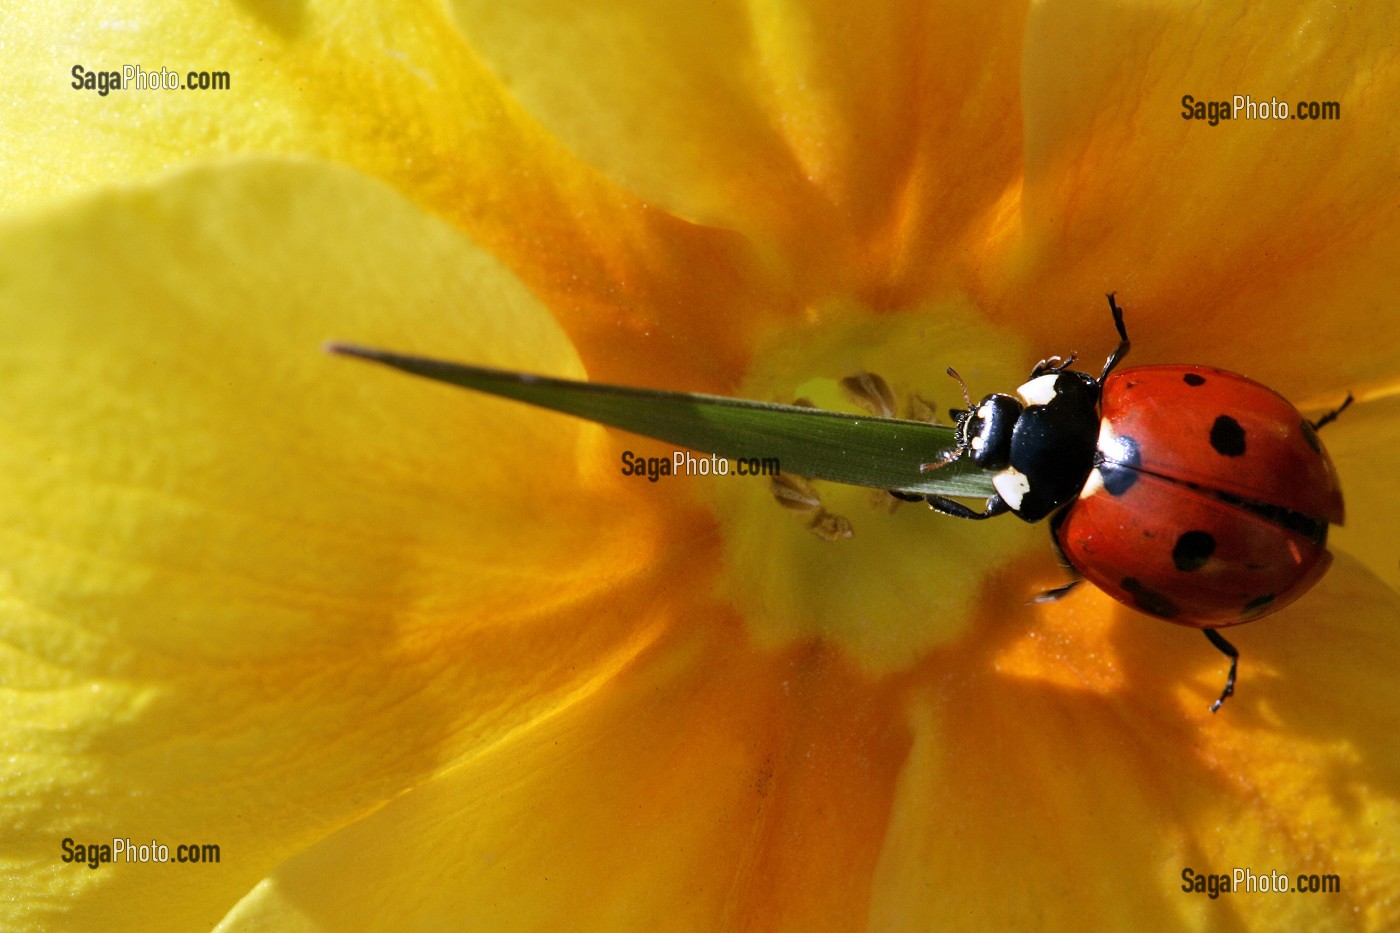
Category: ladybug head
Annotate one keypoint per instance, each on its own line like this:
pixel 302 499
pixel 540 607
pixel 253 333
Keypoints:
pixel 984 430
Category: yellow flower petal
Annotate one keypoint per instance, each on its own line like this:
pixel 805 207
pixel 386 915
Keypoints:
pixel 709 787
pixel 1259 243
pixel 252 591
pixel 1030 800
pixel 834 139
pixel 1363 443
pixel 396 93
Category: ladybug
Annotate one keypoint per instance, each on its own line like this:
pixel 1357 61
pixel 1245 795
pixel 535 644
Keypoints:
pixel 1188 493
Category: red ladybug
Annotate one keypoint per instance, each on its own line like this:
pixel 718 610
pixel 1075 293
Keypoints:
pixel 1188 493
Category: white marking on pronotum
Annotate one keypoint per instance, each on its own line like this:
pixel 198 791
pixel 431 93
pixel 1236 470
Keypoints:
pixel 1012 485
pixel 985 411
pixel 978 443
pixel 1093 484
pixel 1039 391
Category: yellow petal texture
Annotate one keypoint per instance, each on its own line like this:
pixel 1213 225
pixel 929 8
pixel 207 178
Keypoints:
pixel 1029 800
pixel 1256 245
pixel 1363 442
pixel 709 788
pixel 252 591
pixel 758 794
pixel 393 90
pixel 835 137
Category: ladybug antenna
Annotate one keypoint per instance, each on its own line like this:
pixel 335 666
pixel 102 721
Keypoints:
pixel 948 457
pixel 963 385
pixel 961 447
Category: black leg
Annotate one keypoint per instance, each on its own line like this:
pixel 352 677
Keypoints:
pixel 1124 344
pixel 995 507
pixel 906 496
pixel 1056 521
pixel 1053 364
pixel 1229 651
pixel 1058 593
pixel 1331 416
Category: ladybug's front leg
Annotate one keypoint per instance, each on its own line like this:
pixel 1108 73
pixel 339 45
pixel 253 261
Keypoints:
pixel 1124 344
pixel 995 507
pixel 1230 652
pixel 1053 364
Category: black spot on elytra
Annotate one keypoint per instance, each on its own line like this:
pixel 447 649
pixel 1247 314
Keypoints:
pixel 1258 604
pixel 1118 464
pixel 1310 435
pixel 1192 550
pixel 1117 479
pixel 1149 601
pixel 1193 379
pixel 1125 452
pixel 1227 437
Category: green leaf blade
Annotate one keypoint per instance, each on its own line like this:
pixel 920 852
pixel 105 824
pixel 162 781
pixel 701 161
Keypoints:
pixel 883 453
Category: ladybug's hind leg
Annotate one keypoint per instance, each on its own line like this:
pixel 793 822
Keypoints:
pixel 1076 578
pixel 1057 593
pixel 1233 654
pixel 1331 416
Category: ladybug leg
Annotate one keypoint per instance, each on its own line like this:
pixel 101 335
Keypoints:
pixel 906 496
pixel 1053 364
pixel 1056 594
pixel 995 507
pixel 1331 416
pixel 1124 344
pixel 1076 578
pixel 1230 652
